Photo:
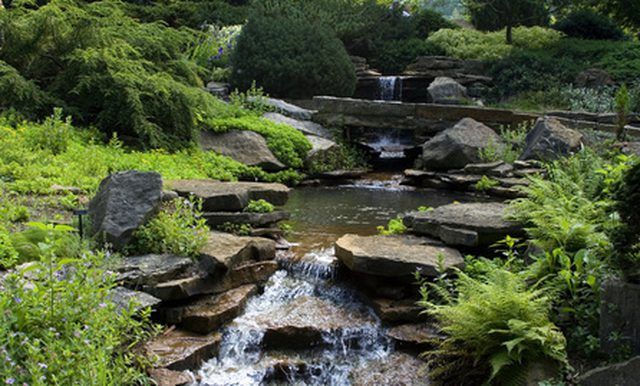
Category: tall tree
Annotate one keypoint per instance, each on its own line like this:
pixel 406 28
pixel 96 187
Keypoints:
pixel 625 12
pixel 491 15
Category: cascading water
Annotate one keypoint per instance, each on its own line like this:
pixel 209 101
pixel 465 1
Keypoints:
pixel 390 88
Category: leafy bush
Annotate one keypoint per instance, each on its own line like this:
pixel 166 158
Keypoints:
pixel 587 24
pixel 472 44
pixel 65 317
pixel 494 329
pixel 292 57
pixel 178 229
pixel 189 13
pixel 61 239
pixel 486 184
pixel 259 206
pixel 395 55
pixel 395 226
pixel 627 236
pixel 53 135
pixel 623 63
pixel 8 254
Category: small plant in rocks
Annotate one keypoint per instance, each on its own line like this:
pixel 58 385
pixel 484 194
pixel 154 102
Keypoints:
pixel 259 206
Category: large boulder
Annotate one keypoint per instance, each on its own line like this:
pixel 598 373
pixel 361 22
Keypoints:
pixel 445 90
pixel 395 256
pixel 220 196
pixel 244 146
pixel 124 202
pixel 322 151
pixel 472 225
pixel 228 251
pixel 550 140
pixel 305 127
pixel 458 146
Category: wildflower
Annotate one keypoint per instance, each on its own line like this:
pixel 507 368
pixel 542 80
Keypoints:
pixel 17 299
pixel 10 381
pixel 42 365
pixel 102 305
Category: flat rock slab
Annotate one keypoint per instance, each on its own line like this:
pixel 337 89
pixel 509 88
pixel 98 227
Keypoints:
pixel 395 256
pixel 181 350
pixel 418 336
pixel 150 269
pixel 218 196
pixel 398 311
pixel 251 273
pixel 166 377
pixel 209 313
pixel 228 251
pixel 215 219
pixel 301 323
pixel 472 225
pixel 123 298
pixel 398 369
pixel 183 288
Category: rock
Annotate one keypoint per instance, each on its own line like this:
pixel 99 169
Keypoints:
pixel 244 146
pixel 181 350
pixel 219 90
pixel 503 170
pixel 180 289
pixel 398 369
pixel 150 269
pixel 445 90
pixel 549 140
pixel 482 168
pixel 216 219
pixel 343 174
pixel 305 127
pixel 166 377
pixel 124 202
pixel 169 195
pixel 123 298
pixel 395 256
pixel 323 151
pixel 252 273
pixel 301 322
pixel 59 189
pixel 209 313
pixel 288 109
pixel 619 374
pixel 220 196
pixel 458 146
pixel 594 78
pixel 620 315
pixel 419 336
pixel 398 311
pixel 229 251
pixel 472 225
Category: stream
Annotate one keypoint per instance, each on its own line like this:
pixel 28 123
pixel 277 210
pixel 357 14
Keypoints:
pixel 306 295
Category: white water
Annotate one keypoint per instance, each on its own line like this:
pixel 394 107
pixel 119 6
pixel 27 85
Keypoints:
pixel 358 339
pixel 387 86
pixel 390 147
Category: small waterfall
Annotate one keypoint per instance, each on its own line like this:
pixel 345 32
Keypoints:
pixel 390 88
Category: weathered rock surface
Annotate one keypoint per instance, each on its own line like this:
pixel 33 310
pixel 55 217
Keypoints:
pixel 182 288
pixel 322 150
pixel 594 78
pixel 220 196
pixel 219 90
pixel 305 127
pixel 215 219
pixel 620 314
pixel 229 251
pixel 445 90
pixel 181 350
pixel 300 323
pixel 166 377
pixel 395 256
pixel 288 109
pixel 418 336
pixel 619 374
pixel 244 146
pixel 458 146
pixel 549 140
pixel 209 313
pixel 124 202
pixel 399 369
pixel 123 298
pixel 150 269
pixel 251 273
pixel 473 225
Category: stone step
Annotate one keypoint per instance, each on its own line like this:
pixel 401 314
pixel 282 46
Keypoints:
pixel 149 269
pixel 216 219
pixel 180 350
pixel 226 251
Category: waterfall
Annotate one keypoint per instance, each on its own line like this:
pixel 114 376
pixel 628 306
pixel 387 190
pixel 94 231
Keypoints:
pixel 390 88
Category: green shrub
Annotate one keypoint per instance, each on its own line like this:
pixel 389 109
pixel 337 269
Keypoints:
pixel 288 144
pixel 395 226
pixel 587 24
pixel 8 254
pixel 486 184
pixel 53 135
pixel 21 94
pixel 494 329
pixel 622 62
pixel 65 317
pixel 259 206
pixel 61 239
pixel 292 57
pixel 178 229
pixel 395 55
pixel 236 229
pixel 627 236
pixel 190 13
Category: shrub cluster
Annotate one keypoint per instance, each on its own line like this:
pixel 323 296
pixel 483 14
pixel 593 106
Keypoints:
pixel 587 24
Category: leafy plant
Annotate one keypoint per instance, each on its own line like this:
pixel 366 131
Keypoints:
pixel 494 328
pixel 61 240
pixel 587 24
pixel 394 227
pixel 8 254
pixel 236 229
pixel 259 206
pixel 486 184
pixel 178 229
pixel 623 100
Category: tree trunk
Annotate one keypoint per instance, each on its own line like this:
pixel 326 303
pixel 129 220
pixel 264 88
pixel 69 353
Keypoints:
pixel 509 33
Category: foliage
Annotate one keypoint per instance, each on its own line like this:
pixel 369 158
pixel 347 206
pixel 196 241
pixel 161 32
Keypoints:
pixel 288 144
pixel 215 47
pixel 495 327
pixel 623 108
pixel 62 242
pixel 485 183
pixel 178 229
pixel 65 317
pixel 587 24
pixel 627 12
pixel 344 156
pixel 189 13
pixel 259 206
pixel 292 57
pixel 627 236
pixel 395 55
pixel 395 226
pixel 472 44
pixel 8 254
pixel 19 93
pixel 236 229
pixel 511 147
pixel 622 62
pixel 492 15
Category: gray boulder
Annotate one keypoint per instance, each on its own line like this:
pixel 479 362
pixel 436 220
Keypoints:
pixel 243 146
pixel 394 256
pixel 322 150
pixel 124 202
pixel 123 298
pixel 458 146
pixel 151 269
pixel 472 225
pixel 219 90
pixel 287 109
pixel 550 140
pixel 445 90
pixel 305 127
